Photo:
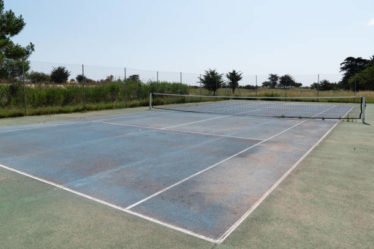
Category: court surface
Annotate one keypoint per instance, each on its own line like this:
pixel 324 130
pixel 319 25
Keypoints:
pixel 199 173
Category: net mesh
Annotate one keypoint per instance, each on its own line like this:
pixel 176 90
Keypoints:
pixel 347 107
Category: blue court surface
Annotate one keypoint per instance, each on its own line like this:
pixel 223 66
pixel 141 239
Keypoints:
pixel 199 173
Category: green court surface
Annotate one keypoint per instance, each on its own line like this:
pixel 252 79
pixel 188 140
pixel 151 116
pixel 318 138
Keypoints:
pixel 326 202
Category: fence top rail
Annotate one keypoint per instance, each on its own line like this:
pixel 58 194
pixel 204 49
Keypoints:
pixel 257 97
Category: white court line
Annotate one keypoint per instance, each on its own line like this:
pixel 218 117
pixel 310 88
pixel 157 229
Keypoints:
pixel 37 126
pixel 210 167
pixel 345 114
pixel 214 135
pixel 269 191
pixel 194 122
pixel 183 124
pixel 220 162
pixel 170 128
pixel 203 120
pixel 178 131
pixel 108 204
pixel 115 116
pixel 126 210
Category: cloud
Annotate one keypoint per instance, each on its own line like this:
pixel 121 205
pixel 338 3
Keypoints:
pixel 371 22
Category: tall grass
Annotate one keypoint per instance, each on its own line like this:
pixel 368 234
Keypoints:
pixel 52 99
pixel 49 99
pixel 292 92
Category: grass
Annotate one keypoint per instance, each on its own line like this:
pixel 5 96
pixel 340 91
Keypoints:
pixel 66 116
pixel 68 100
pixel 35 215
pixel 19 111
pixel 293 92
pixel 327 202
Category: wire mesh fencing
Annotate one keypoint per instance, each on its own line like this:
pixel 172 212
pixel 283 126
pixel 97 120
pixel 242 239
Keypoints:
pixel 62 87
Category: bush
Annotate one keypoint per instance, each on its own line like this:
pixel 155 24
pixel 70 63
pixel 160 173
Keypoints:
pixel 363 80
pixel 38 77
pixel 80 78
pixel 60 75
pixel 134 77
pixel 250 87
pixel 325 85
pixel 12 95
pixel 212 80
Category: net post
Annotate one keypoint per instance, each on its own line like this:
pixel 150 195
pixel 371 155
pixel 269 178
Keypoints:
pixel 363 107
pixel 150 101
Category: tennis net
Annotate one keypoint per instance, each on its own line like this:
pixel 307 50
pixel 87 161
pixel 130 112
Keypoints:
pixel 344 107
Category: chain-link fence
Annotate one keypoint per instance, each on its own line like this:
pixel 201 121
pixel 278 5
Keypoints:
pixel 87 87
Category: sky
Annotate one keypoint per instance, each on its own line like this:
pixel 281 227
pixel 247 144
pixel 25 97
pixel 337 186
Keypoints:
pixel 252 36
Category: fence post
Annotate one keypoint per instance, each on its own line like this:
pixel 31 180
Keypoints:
pixel 150 101
pixel 318 85
pixel 256 85
pixel 124 84
pixel 24 85
pixel 180 77
pixel 83 91
pixel 201 86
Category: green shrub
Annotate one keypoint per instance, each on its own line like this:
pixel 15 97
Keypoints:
pixel 38 77
pixel 60 75
pixel 46 100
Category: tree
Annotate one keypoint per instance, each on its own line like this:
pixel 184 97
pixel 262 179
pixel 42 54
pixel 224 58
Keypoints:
pixel 296 84
pixel 273 79
pixel 211 80
pixel 11 54
pixel 80 78
pixel 324 85
pixel 267 84
pixel 371 61
pixel 234 77
pixel 350 66
pixel 363 80
pixel 251 87
pixel 60 75
pixel 109 78
pixel 134 77
pixel 286 81
pixel 38 77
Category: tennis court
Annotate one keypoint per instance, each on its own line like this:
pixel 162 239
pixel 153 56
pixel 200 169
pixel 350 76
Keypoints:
pixel 194 170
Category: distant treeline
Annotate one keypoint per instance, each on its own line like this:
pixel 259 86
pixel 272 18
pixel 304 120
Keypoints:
pixel 358 75
pixel 285 81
